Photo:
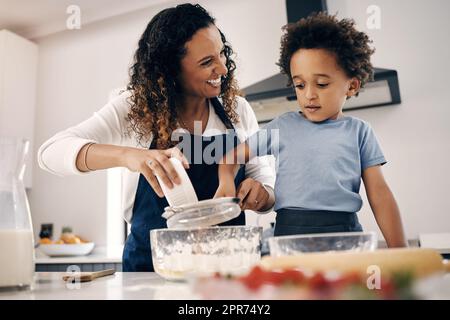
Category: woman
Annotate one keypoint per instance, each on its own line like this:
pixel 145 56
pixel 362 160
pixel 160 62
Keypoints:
pixel 182 78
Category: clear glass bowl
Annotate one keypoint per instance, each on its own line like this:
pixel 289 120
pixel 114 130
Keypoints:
pixel 351 241
pixel 180 253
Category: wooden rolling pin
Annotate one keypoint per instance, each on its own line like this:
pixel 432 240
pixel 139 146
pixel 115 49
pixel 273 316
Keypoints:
pixel 421 262
pixel 87 276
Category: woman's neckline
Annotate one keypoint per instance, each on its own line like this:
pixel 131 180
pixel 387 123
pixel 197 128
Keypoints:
pixel 208 120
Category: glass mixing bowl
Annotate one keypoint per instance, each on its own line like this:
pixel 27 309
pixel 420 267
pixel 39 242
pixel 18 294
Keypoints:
pixel 351 241
pixel 180 253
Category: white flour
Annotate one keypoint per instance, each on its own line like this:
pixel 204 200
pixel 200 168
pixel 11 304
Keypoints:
pixel 227 256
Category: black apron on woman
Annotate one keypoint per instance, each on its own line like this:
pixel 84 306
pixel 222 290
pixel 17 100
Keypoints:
pixel 148 206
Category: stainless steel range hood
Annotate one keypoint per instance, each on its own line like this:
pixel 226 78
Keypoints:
pixel 272 97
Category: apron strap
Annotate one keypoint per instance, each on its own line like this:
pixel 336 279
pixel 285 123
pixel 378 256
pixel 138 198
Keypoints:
pixel 220 111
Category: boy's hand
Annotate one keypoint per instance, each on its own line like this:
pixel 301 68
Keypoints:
pixel 225 190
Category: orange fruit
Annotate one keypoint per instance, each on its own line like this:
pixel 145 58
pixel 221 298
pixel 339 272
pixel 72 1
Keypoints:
pixel 45 241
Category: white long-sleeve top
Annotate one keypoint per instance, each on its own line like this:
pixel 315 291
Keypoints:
pixel 109 126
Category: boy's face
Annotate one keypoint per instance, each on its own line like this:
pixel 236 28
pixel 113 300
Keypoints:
pixel 320 84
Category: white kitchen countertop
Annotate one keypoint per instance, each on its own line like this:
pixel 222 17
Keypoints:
pixel 101 254
pixel 120 286
pixel 149 286
pixel 436 241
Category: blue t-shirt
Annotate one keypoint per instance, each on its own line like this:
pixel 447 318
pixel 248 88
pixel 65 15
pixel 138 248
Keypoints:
pixel 319 165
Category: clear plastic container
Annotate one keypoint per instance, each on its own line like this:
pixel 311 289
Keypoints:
pixel 180 254
pixel 16 232
pixel 202 214
pixel 296 244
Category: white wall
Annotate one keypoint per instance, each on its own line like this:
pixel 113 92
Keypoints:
pixel 77 70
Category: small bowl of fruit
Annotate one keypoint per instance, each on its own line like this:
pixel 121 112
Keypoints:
pixel 68 244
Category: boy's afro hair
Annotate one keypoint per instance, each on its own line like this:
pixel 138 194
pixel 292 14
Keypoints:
pixel 323 31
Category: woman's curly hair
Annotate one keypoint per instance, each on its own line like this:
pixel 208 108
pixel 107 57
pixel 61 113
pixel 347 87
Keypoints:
pixel 323 31
pixel 157 66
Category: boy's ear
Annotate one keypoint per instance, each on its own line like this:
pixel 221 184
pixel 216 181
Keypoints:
pixel 354 87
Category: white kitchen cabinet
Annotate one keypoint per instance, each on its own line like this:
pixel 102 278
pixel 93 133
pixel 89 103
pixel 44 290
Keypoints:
pixel 18 77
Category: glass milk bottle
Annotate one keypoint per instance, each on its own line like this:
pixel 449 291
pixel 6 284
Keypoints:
pixel 16 232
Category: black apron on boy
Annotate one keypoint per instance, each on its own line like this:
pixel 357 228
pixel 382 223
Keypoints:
pixel 291 221
pixel 148 206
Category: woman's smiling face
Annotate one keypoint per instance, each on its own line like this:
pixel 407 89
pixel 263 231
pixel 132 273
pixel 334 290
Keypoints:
pixel 321 85
pixel 203 66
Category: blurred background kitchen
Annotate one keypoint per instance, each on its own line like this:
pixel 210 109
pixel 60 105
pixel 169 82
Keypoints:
pixel 54 75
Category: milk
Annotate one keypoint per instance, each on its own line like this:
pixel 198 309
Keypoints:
pixel 16 257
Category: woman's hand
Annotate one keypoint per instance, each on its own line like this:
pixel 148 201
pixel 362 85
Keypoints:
pixel 253 195
pixel 152 163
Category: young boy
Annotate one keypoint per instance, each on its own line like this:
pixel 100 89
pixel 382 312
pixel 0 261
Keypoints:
pixel 321 153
